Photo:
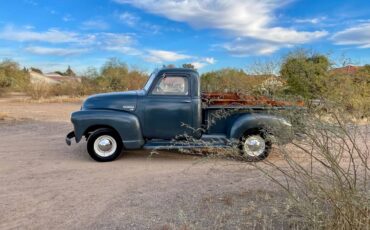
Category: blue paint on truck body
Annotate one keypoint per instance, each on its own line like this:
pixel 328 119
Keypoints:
pixel 146 119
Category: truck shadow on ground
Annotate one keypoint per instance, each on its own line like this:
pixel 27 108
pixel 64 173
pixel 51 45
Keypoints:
pixel 79 152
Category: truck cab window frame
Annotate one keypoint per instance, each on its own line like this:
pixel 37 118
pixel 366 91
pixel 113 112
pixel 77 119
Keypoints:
pixel 171 85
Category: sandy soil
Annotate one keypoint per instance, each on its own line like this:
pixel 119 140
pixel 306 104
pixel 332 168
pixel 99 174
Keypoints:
pixel 45 184
pixel 38 111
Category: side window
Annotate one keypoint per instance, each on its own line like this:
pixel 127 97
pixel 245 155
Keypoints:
pixel 172 85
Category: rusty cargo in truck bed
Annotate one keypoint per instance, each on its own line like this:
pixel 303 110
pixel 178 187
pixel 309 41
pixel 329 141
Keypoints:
pixel 239 99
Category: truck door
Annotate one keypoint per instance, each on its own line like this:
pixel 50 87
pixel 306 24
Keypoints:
pixel 168 108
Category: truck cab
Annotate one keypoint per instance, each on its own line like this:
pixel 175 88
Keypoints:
pixel 167 113
pixel 170 103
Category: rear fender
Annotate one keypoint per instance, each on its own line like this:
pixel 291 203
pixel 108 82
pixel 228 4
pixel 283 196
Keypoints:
pixel 279 127
pixel 125 124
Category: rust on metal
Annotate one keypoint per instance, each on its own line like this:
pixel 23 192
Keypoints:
pixel 237 99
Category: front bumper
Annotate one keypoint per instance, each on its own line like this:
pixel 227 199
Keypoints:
pixel 69 137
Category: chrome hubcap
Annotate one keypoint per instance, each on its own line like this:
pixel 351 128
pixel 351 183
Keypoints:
pixel 254 146
pixel 105 146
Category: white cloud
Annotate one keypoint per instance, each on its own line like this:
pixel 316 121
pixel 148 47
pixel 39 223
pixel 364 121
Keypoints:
pixel 73 43
pixel 113 39
pixel 241 47
pixel 29 27
pixel 124 50
pixel 95 25
pixel 67 18
pixel 243 18
pixel 160 56
pixel 202 62
pixel 137 23
pixel 310 20
pixel 39 50
pixel 358 35
pixel 51 35
pixel 198 65
pixel 121 43
pixel 129 19
pixel 81 43
pixel 210 60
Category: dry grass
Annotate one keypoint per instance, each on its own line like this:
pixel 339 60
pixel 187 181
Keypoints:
pixel 253 209
pixel 58 92
pixel 39 90
pixel 324 179
pixel 54 99
pixel 330 188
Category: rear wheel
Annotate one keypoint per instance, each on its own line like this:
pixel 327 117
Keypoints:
pixel 254 146
pixel 104 145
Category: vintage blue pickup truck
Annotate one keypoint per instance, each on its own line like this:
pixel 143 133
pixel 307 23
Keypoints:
pixel 170 112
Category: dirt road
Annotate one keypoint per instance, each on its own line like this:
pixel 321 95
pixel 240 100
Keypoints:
pixel 44 184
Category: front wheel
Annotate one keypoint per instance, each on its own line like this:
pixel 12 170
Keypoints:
pixel 255 146
pixel 104 145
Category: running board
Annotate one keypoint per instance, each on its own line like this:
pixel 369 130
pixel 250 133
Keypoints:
pixel 207 141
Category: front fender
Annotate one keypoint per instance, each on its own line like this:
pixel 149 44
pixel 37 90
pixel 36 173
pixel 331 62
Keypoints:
pixel 127 125
pixel 278 126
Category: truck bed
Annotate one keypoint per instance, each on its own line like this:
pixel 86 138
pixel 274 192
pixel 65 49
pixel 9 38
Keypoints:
pixel 221 109
pixel 236 100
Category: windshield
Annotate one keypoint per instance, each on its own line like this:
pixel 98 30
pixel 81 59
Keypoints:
pixel 150 81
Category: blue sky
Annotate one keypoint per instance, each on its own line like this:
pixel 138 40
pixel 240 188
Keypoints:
pixel 52 34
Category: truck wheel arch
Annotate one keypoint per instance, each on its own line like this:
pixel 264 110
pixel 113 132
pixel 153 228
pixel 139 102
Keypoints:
pixel 93 128
pixel 125 124
pixel 257 122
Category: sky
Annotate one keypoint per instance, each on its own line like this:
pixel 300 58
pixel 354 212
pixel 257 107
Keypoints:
pixel 146 34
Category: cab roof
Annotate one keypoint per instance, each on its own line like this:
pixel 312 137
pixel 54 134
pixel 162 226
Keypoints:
pixel 177 70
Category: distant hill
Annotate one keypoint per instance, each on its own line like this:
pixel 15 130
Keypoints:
pixel 51 78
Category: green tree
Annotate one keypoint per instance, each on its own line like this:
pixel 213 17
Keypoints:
pixel 69 72
pixel 305 74
pixel 230 80
pixel 113 75
pixel 59 72
pixel 365 69
pixel 36 70
pixel 188 66
pixel 116 76
pixel 170 66
pixel 12 76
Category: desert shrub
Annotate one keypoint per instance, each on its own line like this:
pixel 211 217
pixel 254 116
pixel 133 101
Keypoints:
pixel 305 74
pixel 231 80
pixel 12 77
pixel 43 90
pixel 5 82
pixel 351 92
pixel 39 90
pixel 326 175
pixel 272 87
pixel 71 89
pixel 33 69
pixel 116 76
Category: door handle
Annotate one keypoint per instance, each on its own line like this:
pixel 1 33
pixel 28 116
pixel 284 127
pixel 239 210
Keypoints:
pixel 185 101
